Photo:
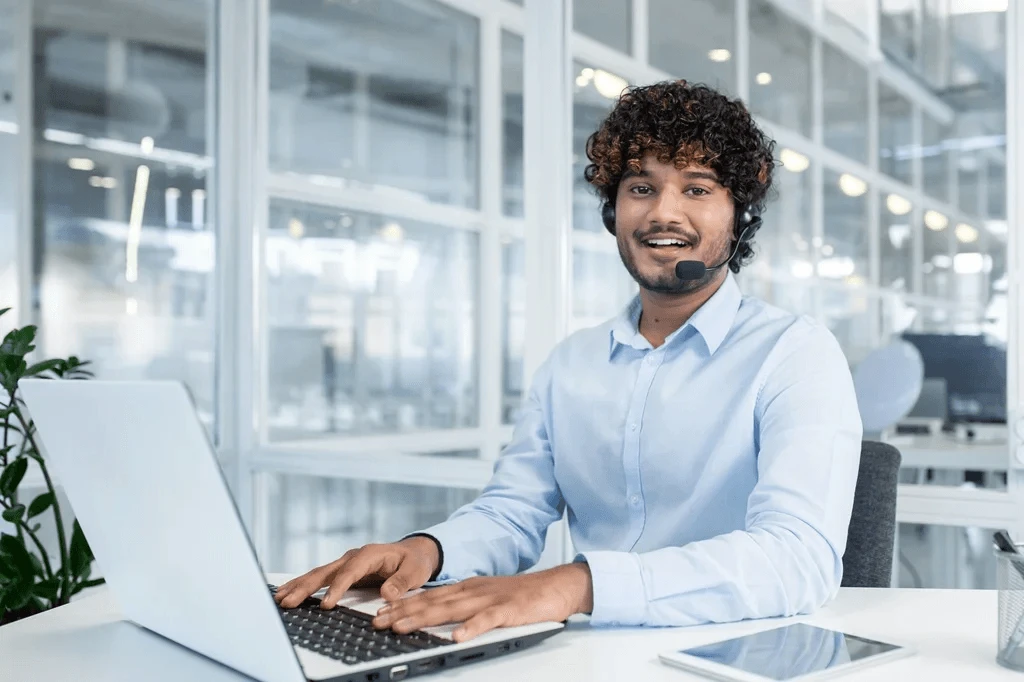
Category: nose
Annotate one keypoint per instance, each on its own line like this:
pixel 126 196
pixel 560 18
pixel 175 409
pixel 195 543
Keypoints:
pixel 667 210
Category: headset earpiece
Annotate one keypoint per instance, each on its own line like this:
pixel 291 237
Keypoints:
pixel 608 216
pixel 747 223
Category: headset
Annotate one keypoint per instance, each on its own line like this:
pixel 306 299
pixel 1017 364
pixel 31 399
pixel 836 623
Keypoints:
pixel 748 220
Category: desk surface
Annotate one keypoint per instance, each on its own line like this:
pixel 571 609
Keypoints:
pixel 952 631
pixel 947 452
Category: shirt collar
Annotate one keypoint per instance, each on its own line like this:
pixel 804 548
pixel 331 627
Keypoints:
pixel 713 320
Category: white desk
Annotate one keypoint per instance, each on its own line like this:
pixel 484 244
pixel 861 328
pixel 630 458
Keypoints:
pixel 953 633
pixel 947 452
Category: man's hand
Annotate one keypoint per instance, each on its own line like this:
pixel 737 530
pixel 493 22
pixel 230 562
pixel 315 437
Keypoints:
pixel 488 603
pixel 397 568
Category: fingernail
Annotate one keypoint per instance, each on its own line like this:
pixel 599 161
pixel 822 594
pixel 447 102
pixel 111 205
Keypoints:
pixel 384 609
pixel 459 634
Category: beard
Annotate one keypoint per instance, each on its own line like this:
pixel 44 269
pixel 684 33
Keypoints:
pixel 665 281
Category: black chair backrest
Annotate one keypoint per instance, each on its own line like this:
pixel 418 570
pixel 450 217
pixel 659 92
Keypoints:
pixel 869 545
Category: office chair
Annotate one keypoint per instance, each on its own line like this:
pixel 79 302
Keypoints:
pixel 872 534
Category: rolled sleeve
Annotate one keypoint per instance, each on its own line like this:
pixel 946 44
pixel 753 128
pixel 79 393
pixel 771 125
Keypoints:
pixel 618 587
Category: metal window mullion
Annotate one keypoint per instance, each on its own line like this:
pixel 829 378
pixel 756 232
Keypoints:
pixel 640 30
pixel 24 262
pixel 241 154
pixel 491 282
pixel 817 167
pixel 1015 246
pixel 742 47
pixel 547 146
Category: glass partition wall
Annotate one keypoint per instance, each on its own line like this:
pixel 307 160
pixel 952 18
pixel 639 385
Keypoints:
pixel 344 289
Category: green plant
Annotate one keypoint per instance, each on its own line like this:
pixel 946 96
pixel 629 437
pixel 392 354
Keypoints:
pixel 29 582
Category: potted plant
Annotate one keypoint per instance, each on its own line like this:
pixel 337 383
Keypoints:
pixel 29 581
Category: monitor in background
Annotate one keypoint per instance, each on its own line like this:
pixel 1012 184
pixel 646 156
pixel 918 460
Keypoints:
pixel 974 373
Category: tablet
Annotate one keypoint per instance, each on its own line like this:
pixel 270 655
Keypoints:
pixel 792 652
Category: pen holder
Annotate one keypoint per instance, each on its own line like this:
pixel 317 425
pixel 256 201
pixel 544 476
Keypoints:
pixel 1010 584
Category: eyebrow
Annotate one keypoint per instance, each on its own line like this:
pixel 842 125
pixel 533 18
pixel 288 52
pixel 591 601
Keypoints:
pixel 690 175
pixel 701 175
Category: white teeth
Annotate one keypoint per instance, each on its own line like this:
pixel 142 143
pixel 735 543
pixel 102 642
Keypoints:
pixel 665 242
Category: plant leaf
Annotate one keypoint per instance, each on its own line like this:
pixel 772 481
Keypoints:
pixel 80 554
pixel 14 552
pixel 7 572
pixel 40 367
pixel 3 310
pixel 46 589
pixel 12 475
pixel 18 594
pixel 14 514
pixel 39 505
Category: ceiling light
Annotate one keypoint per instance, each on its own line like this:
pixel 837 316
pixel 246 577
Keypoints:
pixel 966 234
pixel 968 263
pixel 608 84
pixel 719 55
pixel 81 164
pixel 296 229
pixel 935 220
pixel 102 181
pixel 138 212
pixel 827 250
pixel 146 145
pixel 392 232
pixel 582 82
pixel 836 268
pixel 587 73
pixel 996 227
pixel 763 78
pixel 793 160
pixel 977 6
pixel 898 205
pixel 801 269
pixel 942 261
pixel 851 185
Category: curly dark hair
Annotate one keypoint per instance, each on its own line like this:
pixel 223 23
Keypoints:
pixel 683 123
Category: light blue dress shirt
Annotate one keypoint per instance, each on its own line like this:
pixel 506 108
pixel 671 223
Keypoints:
pixel 710 479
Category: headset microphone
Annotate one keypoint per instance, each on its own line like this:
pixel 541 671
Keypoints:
pixel 692 270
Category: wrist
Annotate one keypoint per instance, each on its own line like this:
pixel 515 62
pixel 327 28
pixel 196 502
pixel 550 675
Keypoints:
pixel 579 587
pixel 430 547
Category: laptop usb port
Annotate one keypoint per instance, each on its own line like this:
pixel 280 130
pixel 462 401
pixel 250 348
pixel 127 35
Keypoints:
pixel 424 666
pixel 399 672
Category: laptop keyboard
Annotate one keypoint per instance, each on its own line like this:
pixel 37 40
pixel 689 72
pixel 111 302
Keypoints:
pixel 347 635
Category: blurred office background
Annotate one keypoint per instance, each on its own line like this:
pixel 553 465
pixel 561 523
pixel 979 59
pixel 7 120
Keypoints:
pixel 313 212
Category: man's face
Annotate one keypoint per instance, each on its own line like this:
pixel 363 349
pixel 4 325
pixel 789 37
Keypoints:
pixel 664 215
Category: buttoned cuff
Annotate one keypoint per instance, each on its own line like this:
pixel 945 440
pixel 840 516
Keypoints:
pixel 618 584
pixel 458 563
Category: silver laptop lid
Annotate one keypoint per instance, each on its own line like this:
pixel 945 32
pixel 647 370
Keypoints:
pixel 144 483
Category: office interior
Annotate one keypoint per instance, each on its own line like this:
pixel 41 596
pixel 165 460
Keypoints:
pixel 320 216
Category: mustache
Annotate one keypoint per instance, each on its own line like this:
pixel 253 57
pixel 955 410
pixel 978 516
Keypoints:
pixel 691 238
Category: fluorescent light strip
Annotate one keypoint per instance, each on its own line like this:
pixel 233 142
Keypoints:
pixel 131 265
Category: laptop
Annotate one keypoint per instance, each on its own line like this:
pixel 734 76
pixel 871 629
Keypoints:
pixel 147 489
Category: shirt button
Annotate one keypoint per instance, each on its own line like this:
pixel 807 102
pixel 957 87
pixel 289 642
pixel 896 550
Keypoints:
pixel 635 499
pixel 632 427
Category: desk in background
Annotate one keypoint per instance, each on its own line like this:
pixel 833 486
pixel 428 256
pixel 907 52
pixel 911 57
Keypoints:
pixel 952 631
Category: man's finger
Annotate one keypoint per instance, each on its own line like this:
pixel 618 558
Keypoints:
pixel 296 590
pixel 409 576
pixel 485 621
pixel 299 589
pixel 451 611
pixel 357 568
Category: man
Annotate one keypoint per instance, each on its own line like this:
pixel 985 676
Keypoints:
pixel 704 444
